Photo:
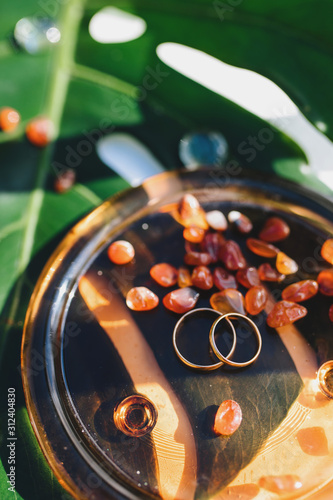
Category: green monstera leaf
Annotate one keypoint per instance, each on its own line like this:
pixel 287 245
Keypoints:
pixel 88 89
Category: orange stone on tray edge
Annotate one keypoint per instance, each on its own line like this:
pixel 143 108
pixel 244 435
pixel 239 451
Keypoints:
pixel 181 300
pixel 202 277
pixel 141 299
pixel 325 282
pixel 9 119
pixel 280 484
pixel 228 418
pixel 184 277
pixel 274 229
pixel 262 248
pixel 302 290
pixel 256 299
pixel 285 265
pixel 121 252
pixel 247 491
pixel 313 441
pixel 327 251
pixel 40 131
pixel 164 274
pixel 284 313
pixel 190 213
pixel 194 234
pixel 229 300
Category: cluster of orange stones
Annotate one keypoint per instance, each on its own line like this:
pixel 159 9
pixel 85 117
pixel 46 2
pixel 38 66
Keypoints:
pixel 206 245
pixel 39 132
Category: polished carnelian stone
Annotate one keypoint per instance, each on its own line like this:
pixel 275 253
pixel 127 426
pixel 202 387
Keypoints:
pixel 325 282
pixel 9 119
pixel 267 273
pixel 121 252
pixel 181 300
pixel 229 300
pixel 198 259
pixel 141 299
pixel 285 313
pixel 228 418
pixel 191 213
pixel 262 248
pixel 223 280
pixel 248 277
pixel 285 265
pixel 327 251
pixel 330 313
pixel 184 277
pixel 256 299
pixel 40 131
pixel 202 277
pixel 231 255
pixel 313 441
pixel 217 220
pixel 212 244
pixel 164 274
pixel 243 223
pixel 302 290
pixel 280 484
pixel 64 181
pixel 275 229
pixel 194 234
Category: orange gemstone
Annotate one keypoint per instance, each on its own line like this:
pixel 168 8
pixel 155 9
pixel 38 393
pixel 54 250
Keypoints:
pixel 327 251
pixel 267 273
pixel 202 277
pixel 285 265
pixel 40 131
pixel 229 300
pixel 64 181
pixel 285 313
pixel 243 223
pixel 325 282
pixel 280 484
pixel 217 220
pixel 231 255
pixel 121 252
pixel 197 259
pixel 303 290
pixel 190 212
pixel 313 441
pixel 275 229
pixel 181 300
pixel 256 299
pixel 194 234
pixel 330 313
pixel 223 280
pixel 262 248
pixel 248 277
pixel 228 418
pixel 164 274
pixel 141 299
pixel 212 244
pixel 9 119
pixel 184 277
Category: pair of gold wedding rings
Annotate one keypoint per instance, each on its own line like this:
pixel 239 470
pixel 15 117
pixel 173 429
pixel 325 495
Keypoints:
pixel 212 340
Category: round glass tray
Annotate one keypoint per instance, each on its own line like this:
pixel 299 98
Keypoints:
pixel 84 352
